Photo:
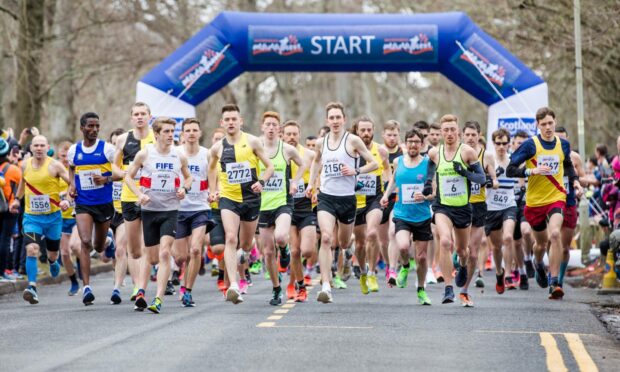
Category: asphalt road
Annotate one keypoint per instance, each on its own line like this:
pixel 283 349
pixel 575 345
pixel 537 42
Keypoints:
pixel 388 330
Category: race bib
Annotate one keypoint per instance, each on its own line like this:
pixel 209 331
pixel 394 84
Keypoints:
pixel 501 198
pixel 301 190
pixel 117 187
pixel 453 187
pixel 332 168
pixel 565 179
pixel 163 182
pixel 238 173
pixel 195 188
pixel 369 183
pixel 86 179
pixel 40 204
pixel 409 190
pixel 475 188
pixel 275 182
pixel 552 161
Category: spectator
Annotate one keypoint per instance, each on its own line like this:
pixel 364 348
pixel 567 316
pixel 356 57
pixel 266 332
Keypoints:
pixel 10 176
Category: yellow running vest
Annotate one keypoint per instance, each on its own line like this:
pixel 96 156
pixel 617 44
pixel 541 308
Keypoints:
pixel 478 192
pixel 238 170
pixel 41 194
pixel 546 189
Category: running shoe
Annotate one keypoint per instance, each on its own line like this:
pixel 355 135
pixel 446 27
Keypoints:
pixel 346 271
pixel 54 269
pixel 510 285
pixel 364 284
pixel 169 289
pixel 17 275
pixel 267 276
pixel 133 294
pixel 466 300
pixel 488 264
pixel 515 276
pixel 302 295
pixel 88 297
pixel 140 303
pixel 256 268
pixel 181 293
pixel 308 280
pixel 357 272
pixel 155 306
pixel 381 264
pixel 556 292
pixel 373 286
pixel 291 291
pixel 285 257
pixel 74 289
pixel 524 283
pixel 214 270
pixel 541 276
pixel 30 295
pixel 403 274
pixel 233 295
pixel 338 283
pixel 188 301
pixel 248 278
pixel 153 273
pixel 479 282
pixel 175 278
pixel 430 276
pixel 110 249
pixel 325 297
pixel 391 277
pixel 412 264
pixel 448 295
pixel 529 269
pixel 243 286
pixel 115 299
pixel 500 286
pixel 461 276
pixel 276 299
pixel 439 276
pixel 423 297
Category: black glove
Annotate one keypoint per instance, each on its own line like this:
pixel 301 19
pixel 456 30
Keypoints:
pixel 458 168
pixel 428 188
pixel 499 171
pixel 489 182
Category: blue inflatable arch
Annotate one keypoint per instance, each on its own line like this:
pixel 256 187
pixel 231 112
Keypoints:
pixel 450 43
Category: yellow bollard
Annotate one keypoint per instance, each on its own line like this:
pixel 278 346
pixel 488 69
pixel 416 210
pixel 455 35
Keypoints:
pixel 610 284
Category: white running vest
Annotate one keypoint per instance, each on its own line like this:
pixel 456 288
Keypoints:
pixel 332 180
pixel 160 179
pixel 504 196
pixel 197 197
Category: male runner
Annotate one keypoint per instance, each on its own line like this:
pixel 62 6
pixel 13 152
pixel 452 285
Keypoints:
pixel 276 201
pixel 336 157
pixel 42 218
pixel 368 213
pixel 454 166
pixel 162 166
pixel 434 134
pixel 234 161
pixel 310 143
pixel 412 212
pixel 547 160
pixel 91 175
pixel 303 223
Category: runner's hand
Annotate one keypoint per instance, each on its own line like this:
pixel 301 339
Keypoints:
pixel 100 180
pixel 309 192
pixel 383 201
pixel 143 199
pixel 293 188
pixel 257 187
pixel 72 192
pixel 458 168
pixel 347 171
pixel 428 188
pixel 578 189
pixel 542 169
pixel 64 205
pixel 14 208
pixel 418 197
pixel 214 197
pixel 181 193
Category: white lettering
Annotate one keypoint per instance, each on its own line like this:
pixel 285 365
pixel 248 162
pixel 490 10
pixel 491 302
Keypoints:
pixel 315 43
pixel 332 45
pixel 368 39
pixel 341 45
pixel 355 44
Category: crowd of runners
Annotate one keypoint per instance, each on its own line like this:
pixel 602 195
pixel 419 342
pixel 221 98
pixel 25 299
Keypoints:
pixel 328 207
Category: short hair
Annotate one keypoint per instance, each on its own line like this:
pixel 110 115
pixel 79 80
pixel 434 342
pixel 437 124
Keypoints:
pixel 543 112
pixel 472 124
pixel 561 129
pixel 292 123
pixel 335 105
pixel 601 149
pixel 521 134
pixel 501 132
pixel 89 115
pixel 116 132
pixel 311 138
pixel 447 118
pixel 230 107
pixel 482 141
pixel 391 125
pixel 140 104
pixel 414 132
pixel 435 126
pixel 159 123
pixel 358 120
pixel 190 121
pixel 218 130
pixel 421 125
pixel 325 128
pixel 64 145
pixel 271 114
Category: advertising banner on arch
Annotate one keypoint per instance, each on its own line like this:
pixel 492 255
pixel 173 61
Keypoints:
pixel 514 124
pixel 343 45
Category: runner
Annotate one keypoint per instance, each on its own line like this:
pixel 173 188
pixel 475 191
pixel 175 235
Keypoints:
pixel 239 189
pixel 277 202
pixel 311 142
pixel 128 145
pixel 303 224
pixel 412 212
pixel 434 134
pixel 216 236
pixel 336 158
pixel 42 217
pixel 547 160
pixel 92 176
pixel 369 214
pixel 162 166
pixel 452 212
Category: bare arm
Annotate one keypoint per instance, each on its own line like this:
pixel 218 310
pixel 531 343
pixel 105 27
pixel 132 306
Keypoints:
pixel 131 173
pixel 315 167
pixel 212 172
pixel 187 177
pixel 292 154
pixel 386 164
pixel 260 153
pixel 361 149
pixel 392 182
pixel 489 160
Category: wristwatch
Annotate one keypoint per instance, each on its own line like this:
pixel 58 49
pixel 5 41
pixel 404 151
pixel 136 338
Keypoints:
pixel 357 171
pixel 262 183
pixel 109 179
pixel 186 190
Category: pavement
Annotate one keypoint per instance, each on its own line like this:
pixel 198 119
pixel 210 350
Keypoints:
pixel 387 330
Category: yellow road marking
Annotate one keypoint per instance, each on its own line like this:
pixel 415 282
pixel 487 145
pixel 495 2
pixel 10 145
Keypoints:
pixel 288 306
pixel 580 353
pixel 528 332
pixel 554 357
pixel 321 327
pixel 281 311
pixel 275 317
pixel 290 301
pixel 266 324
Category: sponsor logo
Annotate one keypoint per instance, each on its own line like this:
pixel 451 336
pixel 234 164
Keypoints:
pixel 79 156
pixel 513 125
pixel 208 63
pixel 494 72
pixel 285 46
pixel 415 45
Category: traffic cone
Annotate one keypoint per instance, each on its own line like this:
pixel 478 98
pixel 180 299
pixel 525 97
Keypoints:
pixel 610 283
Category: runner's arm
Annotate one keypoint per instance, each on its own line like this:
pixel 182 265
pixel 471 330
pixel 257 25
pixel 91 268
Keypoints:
pixel 212 170
pixel 315 166
pixel 431 169
pixel 473 171
pixel 302 165
pixel 260 153
pixel 187 176
pixel 62 172
pixel 526 151
pixel 392 181
pixel 132 171
pixel 360 147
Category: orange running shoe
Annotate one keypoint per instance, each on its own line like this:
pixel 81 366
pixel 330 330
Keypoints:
pixel 308 280
pixel 556 293
pixel 302 295
pixel 221 286
pixel 291 291
pixel 466 300
pixel 487 265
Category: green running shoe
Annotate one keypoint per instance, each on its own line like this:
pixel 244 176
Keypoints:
pixel 401 279
pixel 155 306
pixel 256 268
pixel 412 264
pixel 267 276
pixel 134 294
pixel 423 298
pixel 338 283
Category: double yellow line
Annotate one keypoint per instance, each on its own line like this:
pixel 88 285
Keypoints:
pixel 555 363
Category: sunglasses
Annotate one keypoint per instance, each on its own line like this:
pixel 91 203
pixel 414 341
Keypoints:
pixel 501 143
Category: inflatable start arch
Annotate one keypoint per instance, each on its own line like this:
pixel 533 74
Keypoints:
pixel 449 43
